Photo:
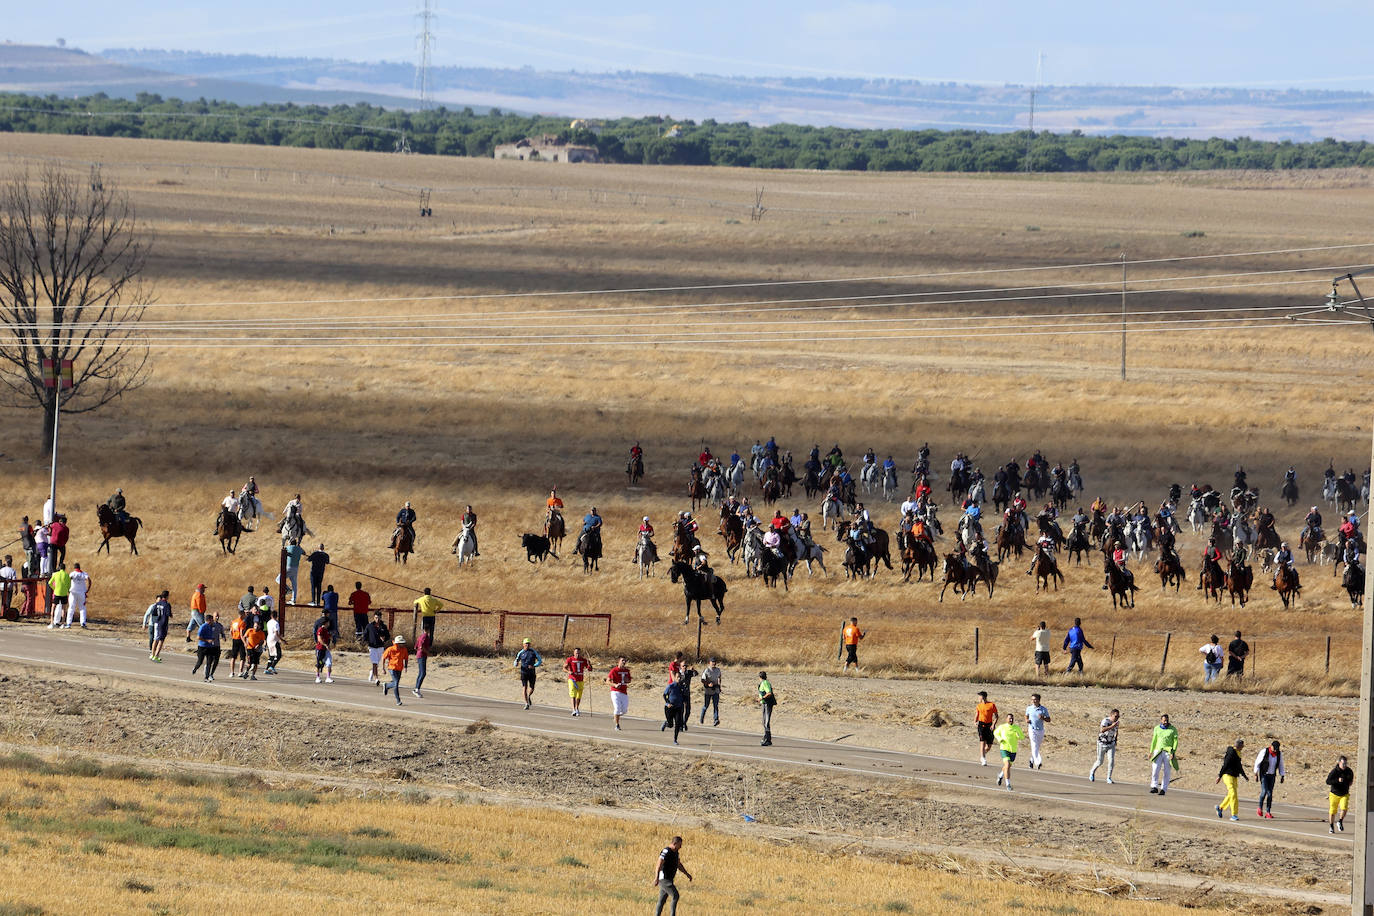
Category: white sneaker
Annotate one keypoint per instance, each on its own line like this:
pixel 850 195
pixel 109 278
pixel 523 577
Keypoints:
pixel 329 680
pixel 52 625
pixel 985 761
pixel 1008 785
pixel 416 693
pixel 317 679
pixel 1109 781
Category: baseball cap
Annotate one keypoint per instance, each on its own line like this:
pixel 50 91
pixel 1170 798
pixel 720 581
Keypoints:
pixel 399 640
pixel 527 640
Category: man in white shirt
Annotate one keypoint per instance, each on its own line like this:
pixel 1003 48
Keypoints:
pixel 81 587
pixel 1106 745
pixel 7 580
pixel 273 628
pixel 1042 649
pixel 1036 717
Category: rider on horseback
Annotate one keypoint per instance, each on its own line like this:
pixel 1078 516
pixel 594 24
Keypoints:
pixel 1281 559
pixel 1118 559
pixel 772 541
pixel 646 537
pixel 469 523
pixel 1211 562
pixel 1350 530
pixel 701 563
pixel 230 502
pixel 780 523
pixel 1045 543
pixel 117 505
pixel 405 523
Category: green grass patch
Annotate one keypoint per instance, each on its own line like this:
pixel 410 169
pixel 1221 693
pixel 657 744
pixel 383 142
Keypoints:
pixel 570 861
pixel 20 909
pixel 896 906
pixel 302 798
pixel 374 832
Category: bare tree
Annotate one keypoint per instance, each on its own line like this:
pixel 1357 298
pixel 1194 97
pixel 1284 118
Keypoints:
pixel 71 259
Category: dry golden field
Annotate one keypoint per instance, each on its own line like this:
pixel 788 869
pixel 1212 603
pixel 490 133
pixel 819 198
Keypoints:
pixel 363 372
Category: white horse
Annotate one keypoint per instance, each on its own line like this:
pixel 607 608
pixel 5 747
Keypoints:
pixel 970 529
pixel 978 493
pixel 466 545
pixel 735 479
pixel 250 507
pixel 868 476
pixel 1197 515
pixel 1075 482
pixel 1244 533
pixel 932 520
pixel 890 484
pixel 1138 537
pixel 753 552
pixel 1329 491
pixel 715 488
pixel 832 512
pixel 808 553
pixel 646 555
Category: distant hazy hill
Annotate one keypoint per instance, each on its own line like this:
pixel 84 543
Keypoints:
pixel 1258 113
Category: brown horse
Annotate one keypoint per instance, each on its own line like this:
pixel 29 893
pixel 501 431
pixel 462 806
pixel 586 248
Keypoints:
pixel 1169 568
pixel 1311 543
pixel 1286 584
pixel 1238 582
pixel 1212 580
pixel 555 530
pixel 112 527
pixel 732 530
pixel 1008 540
pixel 965 580
pixel 402 545
pixel 918 554
pixel 696 488
pixel 1123 590
pixel 1266 536
pixel 227 529
pixel 1045 570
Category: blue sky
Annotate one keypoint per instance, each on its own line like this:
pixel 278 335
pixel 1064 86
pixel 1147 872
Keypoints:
pixel 1215 42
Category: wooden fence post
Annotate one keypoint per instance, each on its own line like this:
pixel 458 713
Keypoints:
pixel 975 645
pixel 1165 659
pixel 562 642
pixel 1111 658
pixel 1328 654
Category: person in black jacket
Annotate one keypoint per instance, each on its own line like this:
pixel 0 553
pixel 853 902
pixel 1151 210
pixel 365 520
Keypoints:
pixel 1232 769
pixel 674 706
pixel 377 635
pixel 1339 779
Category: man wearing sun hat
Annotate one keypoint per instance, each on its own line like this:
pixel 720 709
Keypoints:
pixel 395 658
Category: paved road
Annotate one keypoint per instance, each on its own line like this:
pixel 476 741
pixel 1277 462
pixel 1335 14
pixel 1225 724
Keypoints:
pixel 78 651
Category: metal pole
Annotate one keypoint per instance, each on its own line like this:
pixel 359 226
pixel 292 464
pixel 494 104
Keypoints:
pixel 1123 316
pixel 1162 661
pixel 1361 891
pixel 975 645
pixel 56 417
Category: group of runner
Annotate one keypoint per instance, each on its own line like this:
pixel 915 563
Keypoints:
pixel 1003 732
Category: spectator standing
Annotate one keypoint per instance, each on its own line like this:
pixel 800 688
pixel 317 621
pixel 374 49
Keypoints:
pixel 1036 717
pixel 1075 642
pixel 1041 638
pixel 1009 737
pixel 160 615
pixel 361 602
pixel 1163 755
pixel 710 691
pixel 377 636
pixel 528 660
pixel 1339 780
pixel 294 555
pixel 1236 652
pixel 423 642
pixel 985 719
pixel 329 603
pixel 60 582
pixel 28 542
pixel 58 533
pixel 768 701
pixel 198 610
pixel 619 678
pixel 318 560
pixel 208 646
pixel 7 577
pixel 577 667
pixel 428 606
pixel 1232 769
pixel 395 658
pixel 81 588
pixel 669 864
pixel 236 650
pixel 1268 766
pixel 852 635
pixel 1213 656
pixel 273 629
pixel 1106 745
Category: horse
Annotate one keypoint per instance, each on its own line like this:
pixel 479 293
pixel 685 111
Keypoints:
pixel 890 484
pixel 227 529
pixel 694 588
pixel 832 510
pixel 877 549
pixel 731 530
pixel 1060 493
pixel 978 493
pixel 1010 538
pixel 1311 543
pixel 112 527
pixel 1290 492
pixel 1197 515
pixel 555 529
pixel 1212 580
pixel 634 469
pixel 646 555
pixel 1347 495
pixel 1267 536
pixel 248 507
pixel 1353 583
pixel 870 477
pixel 970 530
pixel 1077 543
pixel 1045 570
pixel 1169 568
pixel 466 546
pixel 753 552
pixel 772 491
pixel 1286 584
pixel 404 544
pixel 734 479
pixel 696 488
pixel 918 554
pixel 1224 537
pixel 589 547
pixel 965 579
pixel 772 567
pixel 1097 527
pixel 715 489
pixel 809 552
pixel 1239 579
pixel 1001 495
pixel 1122 589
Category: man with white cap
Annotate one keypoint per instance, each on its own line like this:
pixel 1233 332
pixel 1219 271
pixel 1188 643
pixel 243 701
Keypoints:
pixel 395 658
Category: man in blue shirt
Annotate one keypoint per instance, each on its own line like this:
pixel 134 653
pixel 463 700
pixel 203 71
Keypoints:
pixel 591 521
pixel 527 660
pixel 294 554
pixel 1076 642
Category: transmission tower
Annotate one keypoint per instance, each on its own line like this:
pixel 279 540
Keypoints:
pixel 425 42
pixel 1030 140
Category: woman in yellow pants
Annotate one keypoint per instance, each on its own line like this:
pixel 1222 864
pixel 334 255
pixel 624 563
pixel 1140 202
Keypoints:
pixel 1231 771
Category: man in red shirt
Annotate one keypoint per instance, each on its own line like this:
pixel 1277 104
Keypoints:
pixel 361 602
pixel 619 678
pixel 324 660
pixel 58 533
pixel 577 667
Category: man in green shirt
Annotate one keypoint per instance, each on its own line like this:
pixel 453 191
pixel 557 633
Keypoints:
pixel 766 701
pixel 1009 737
pixel 1163 755
pixel 61 584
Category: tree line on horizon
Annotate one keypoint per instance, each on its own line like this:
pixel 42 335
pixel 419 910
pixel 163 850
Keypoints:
pixel 446 132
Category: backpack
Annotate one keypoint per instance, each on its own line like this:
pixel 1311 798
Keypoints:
pixel 1213 656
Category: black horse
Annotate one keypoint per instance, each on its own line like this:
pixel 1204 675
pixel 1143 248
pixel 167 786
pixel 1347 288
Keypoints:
pixel 694 588
pixel 589 548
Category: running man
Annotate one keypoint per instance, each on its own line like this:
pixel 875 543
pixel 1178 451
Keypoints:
pixel 710 691
pixel 324 660
pixel 273 629
pixel 395 658
pixel 619 679
pixel 1268 765
pixel 1036 717
pixel 852 635
pixel 252 644
pixel 1009 737
pixel 1339 779
pixel 160 617
pixel 377 636
pixel 674 707
pixel 236 651
pixel 1231 770
pixel 767 701
pixel 198 609
pixel 1075 642
pixel 985 718
pixel 1163 755
pixel 528 660
pixel 577 667
pixel 207 647
pixel 423 644
pixel 1106 745
pixel 669 864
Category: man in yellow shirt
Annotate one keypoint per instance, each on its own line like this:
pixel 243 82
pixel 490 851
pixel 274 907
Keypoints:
pixel 1009 737
pixel 428 606
pixel 61 584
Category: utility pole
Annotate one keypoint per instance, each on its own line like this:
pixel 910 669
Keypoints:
pixel 1123 316
pixel 1030 140
pixel 1361 891
pixel 425 41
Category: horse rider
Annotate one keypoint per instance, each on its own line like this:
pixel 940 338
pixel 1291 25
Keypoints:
pixel 1165 538
pixel 705 457
pixel 1313 523
pixel 250 489
pixel 1349 530
pixel 230 502
pixel 869 457
pixel 834 457
pixel 636 453
pixel 553 506
pixel 834 491
pixel 863 522
pixel 772 540
pixel 889 466
pixel 771 447
pixel 1351 554
pixel 1238 555
pixel 646 535
pixel 469 522
pixel 978 554
pixel 1119 558
pixel 117 505
pixel 780 523
pixel 1281 559
pixel 922 488
pixel 1045 543
pixel 701 564
pixel 814 454
pixel 405 522
pixel 1075 476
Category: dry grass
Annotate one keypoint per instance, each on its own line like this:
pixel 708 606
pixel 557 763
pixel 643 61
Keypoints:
pixel 360 429
pixel 114 841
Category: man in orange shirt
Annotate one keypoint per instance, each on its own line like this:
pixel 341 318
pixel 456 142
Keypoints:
pixel 236 648
pixel 198 616
pixel 986 717
pixel 252 643
pixel 852 635
pixel 394 658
